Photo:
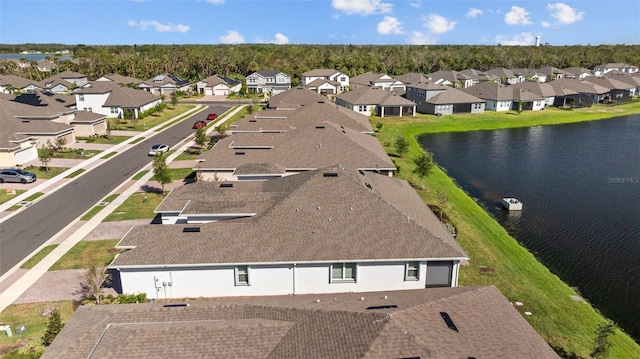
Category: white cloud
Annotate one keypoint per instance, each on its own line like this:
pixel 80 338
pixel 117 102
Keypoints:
pixel 145 24
pixel 418 38
pixel 215 2
pixel 564 13
pixel 438 24
pixel 362 7
pixel 522 39
pixel 232 37
pixel 416 4
pixel 545 24
pixel 280 39
pixel 389 25
pixel 517 16
pixel 473 13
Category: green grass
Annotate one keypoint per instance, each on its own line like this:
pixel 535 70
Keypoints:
pixel 85 253
pixel 560 320
pixel 4 197
pixel 140 174
pixel 191 153
pixel 178 174
pixel 140 205
pixel 36 258
pixel 152 120
pixel 139 139
pixel 94 210
pixel 30 315
pixel 109 155
pixel 105 140
pixel 75 174
pixel 41 173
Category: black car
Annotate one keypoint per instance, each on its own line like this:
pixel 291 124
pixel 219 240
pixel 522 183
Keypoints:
pixel 16 175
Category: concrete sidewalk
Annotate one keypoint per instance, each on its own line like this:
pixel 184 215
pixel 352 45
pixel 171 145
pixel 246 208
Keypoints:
pixel 16 282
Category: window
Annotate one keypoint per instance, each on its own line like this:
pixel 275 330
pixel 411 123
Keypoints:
pixel 343 272
pixel 343 79
pixel 362 108
pixel 242 275
pixel 81 97
pixel 114 110
pixel 412 271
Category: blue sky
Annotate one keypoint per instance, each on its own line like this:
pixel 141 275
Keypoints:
pixel 420 22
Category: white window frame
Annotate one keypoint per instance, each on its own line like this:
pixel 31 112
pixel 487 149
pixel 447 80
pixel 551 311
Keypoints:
pixel 81 97
pixel 409 267
pixel 240 270
pixel 343 267
pixel 114 110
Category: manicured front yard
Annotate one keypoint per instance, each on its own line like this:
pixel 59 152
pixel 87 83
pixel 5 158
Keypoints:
pixel 152 120
pixel 140 205
pixel 4 197
pixel 496 257
pixel 85 253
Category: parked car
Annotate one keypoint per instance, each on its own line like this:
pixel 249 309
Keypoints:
pixel 212 116
pixel 199 124
pixel 158 148
pixel 16 175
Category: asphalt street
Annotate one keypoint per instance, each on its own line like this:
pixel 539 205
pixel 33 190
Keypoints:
pixel 23 233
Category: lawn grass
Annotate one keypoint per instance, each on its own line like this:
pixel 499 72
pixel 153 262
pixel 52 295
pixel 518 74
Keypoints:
pixel 139 205
pixel 139 139
pixel 191 153
pixel 140 175
pixel 4 197
pixel 178 174
pixel 561 321
pixel 41 173
pixel 104 140
pixel 31 316
pixel 109 155
pixel 36 258
pixel 86 253
pixel 152 120
pixel 75 173
pixel 95 209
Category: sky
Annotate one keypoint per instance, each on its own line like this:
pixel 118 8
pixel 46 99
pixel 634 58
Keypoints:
pixel 358 22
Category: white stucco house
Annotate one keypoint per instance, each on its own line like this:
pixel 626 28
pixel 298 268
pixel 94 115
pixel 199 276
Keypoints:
pixel 379 236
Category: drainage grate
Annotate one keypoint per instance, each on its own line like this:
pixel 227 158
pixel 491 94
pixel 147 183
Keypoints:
pixel 25 203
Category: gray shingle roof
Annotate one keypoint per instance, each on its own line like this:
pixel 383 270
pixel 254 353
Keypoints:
pixel 453 96
pixel 373 96
pixel 120 79
pixel 294 98
pixel 124 97
pixel 580 86
pixel 491 91
pixel 412 78
pixel 539 88
pixel 320 72
pixel 307 326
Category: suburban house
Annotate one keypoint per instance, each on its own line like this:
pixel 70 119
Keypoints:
pixel 619 90
pixel 419 92
pixel 325 81
pixel 594 92
pixel 480 76
pixel 451 78
pixel 12 84
pixel 165 85
pixel 264 155
pixel 525 74
pixel 577 72
pixel 498 97
pixel 25 128
pixel 453 101
pixel 379 235
pixel 551 73
pixel 464 322
pixel 120 79
pixel 604 68
pixel 75 78
pixel 412 78
pixel 110 99
pixel 87 124
pixel 268 82
pixel 374 79
pixel 627 78
pixel 45 65
pixel 294 98
pixel 542 89
pixel 505 76
pixel 369 100
pixel 218 86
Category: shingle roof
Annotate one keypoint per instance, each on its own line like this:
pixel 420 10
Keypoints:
pixel 120 79
pixel 412 78
pixel 124 97
pixel 295 98
pixel 307 326
pixel 453 96
pixel 354 215
pixel 370 77
pixel 491 91
pixel 300 148
pixel 609 83
pixel 577 71
pixel 580 86
pixel 320 72
pixel 319 82
pixel 16 81
pixel 539 88
pixel 217 80
pixel 373 96
pixel 500 72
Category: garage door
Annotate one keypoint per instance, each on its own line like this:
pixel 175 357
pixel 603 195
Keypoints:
pixel 26 155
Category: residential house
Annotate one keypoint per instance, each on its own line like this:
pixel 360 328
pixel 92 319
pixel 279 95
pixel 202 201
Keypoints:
pixel 121 80
pixel 498 97
pixel 590 92
pixel 412 78
pixel 218 86
pixel 379 235
pixel 450 78
pixel 551 73
pixel 618 90
pixel 453 101
pixel 87 124
pixel 325 81
pixel 240 156
pixel 374 79
pixel 464 322
pixel 45 65
pixel 268 82
pixel 12 84
pixel 58 86
pixel 75 78
pixel 505 76
pixel 524 100
pixel 421 91
pixel 294 98
pixel 630 79
pixel 525 74
pixel 541 89
pixel 369 100
pixel 165 84
pixel 577 72
pixel 479 76
pixel 109 99
pixel 614 66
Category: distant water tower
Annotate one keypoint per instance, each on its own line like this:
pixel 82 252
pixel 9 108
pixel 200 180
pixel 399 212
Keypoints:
pixel 538 40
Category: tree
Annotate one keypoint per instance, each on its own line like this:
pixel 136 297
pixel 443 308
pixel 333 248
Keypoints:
pixel 46 154
pixel 161 170
pixel 424 165
pixel 174 98
pixel 602 340
pixel 221 130
pixel 443 198
pixel 200 138
pixel 54 326
pixel 91 281
pixel 401 145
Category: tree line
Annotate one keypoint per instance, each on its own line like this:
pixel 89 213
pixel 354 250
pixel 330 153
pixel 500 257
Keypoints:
pixel 194 62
